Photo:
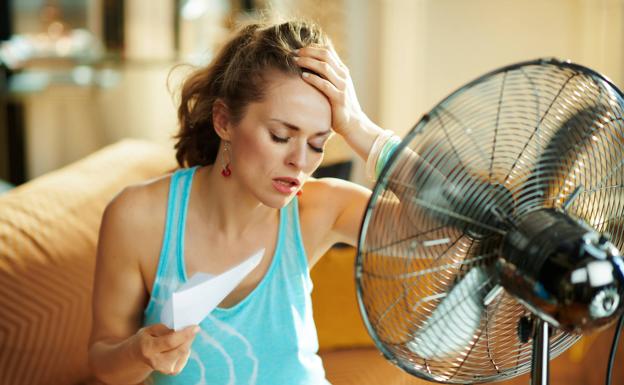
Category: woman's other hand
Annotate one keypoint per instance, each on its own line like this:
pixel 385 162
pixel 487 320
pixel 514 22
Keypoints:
pixel 163 349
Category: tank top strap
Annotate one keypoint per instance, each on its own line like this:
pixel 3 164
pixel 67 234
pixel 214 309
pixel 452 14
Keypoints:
pixel 168 275
pixel 294 241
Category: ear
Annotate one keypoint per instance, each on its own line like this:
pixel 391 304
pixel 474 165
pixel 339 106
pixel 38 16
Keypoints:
pixel 221 120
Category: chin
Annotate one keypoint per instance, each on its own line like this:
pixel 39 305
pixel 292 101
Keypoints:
pixel 277 202
pixel 269 197
pixel 273 199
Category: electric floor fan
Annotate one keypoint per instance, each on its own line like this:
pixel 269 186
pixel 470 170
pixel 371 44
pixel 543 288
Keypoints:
pixel 491 240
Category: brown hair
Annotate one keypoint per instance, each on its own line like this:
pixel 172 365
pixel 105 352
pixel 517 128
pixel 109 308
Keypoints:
pixel 235 76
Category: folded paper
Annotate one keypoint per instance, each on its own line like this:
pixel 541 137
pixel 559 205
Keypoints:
pixel 197 297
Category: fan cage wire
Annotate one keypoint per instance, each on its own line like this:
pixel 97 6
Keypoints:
pixel 494 353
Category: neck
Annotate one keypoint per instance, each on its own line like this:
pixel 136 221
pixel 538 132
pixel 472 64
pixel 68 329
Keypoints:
pixel 231 209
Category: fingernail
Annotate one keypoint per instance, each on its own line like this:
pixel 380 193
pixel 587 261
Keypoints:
pixel 305 74
pixel 296 51
pixel 296 58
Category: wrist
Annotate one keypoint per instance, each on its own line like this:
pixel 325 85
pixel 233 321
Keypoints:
pixel 134 352
pixel 359 126
pixel 118 361
pixel 385 154
pixel 382 148
pixel 361 135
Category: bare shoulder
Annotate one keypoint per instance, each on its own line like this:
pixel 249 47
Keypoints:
pixel 331 211
pixel 134 218
pixel 136 204
pixel 330 193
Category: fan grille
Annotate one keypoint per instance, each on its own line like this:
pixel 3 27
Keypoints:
pixel 541 129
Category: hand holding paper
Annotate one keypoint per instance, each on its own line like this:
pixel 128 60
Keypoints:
pixel 194 300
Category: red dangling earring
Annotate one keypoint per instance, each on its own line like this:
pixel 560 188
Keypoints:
pixel 226 171
pixel 226 165
pixel 299 193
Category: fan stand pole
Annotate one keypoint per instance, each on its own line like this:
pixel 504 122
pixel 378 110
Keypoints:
pixel 541 354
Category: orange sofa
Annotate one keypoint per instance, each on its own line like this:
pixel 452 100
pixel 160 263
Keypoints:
pixel 48 234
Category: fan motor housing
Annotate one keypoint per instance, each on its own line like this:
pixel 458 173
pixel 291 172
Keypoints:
pixel 564 271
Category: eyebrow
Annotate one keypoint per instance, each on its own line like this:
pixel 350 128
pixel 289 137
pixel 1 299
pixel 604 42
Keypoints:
pixel 295 128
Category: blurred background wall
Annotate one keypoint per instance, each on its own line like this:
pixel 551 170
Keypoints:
pixel 76 75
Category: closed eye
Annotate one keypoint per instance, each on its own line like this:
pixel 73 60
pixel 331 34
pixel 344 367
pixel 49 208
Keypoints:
pixel 279 139
pixel 316 149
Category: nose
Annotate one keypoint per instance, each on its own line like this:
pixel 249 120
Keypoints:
pixel 297 157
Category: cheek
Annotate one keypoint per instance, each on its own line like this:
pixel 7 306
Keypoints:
pixel 315 162
pixel 255 151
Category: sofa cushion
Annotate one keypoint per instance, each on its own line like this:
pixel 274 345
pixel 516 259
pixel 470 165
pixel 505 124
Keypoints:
pixel 336 312
pixel 48 234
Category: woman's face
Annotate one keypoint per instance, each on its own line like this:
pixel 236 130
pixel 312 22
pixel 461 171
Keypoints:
pixel 279 142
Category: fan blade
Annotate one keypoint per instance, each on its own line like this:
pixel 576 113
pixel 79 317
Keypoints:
pixel 455 321
pixel 453 196
pixel 560 154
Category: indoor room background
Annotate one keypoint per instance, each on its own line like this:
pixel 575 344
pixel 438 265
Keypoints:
pixel 78 75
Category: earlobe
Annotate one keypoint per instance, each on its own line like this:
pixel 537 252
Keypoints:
pixel 221 119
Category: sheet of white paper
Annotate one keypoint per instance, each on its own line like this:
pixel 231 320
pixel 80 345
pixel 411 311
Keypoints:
pixel 194 300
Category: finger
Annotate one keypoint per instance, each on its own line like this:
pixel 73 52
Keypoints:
pixel 336 57
pixel 169 360
pixel 181 363
pixel 157 330
pixel 323 85
pixel 322 68
pixel 185 345
pixel 324 54
pixel 175 339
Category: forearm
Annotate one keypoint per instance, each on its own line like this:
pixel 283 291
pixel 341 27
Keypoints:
pixel 118 362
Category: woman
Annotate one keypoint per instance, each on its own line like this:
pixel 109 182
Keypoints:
pixel 253 125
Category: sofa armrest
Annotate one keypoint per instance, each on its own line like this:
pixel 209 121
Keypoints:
pixel 48 235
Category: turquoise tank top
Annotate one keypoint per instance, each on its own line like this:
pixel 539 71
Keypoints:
pixel 267 338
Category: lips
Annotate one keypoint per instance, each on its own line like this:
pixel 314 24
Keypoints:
pixel 286 185
pixel 287 180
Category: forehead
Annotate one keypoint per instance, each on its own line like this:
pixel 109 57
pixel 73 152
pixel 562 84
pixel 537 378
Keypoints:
pixel 290 99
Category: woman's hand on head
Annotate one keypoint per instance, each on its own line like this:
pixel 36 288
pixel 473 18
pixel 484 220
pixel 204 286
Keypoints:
pixel 163 349
pixel 335 83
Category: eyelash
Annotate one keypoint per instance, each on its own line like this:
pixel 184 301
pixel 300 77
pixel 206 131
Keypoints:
pixel 277 139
